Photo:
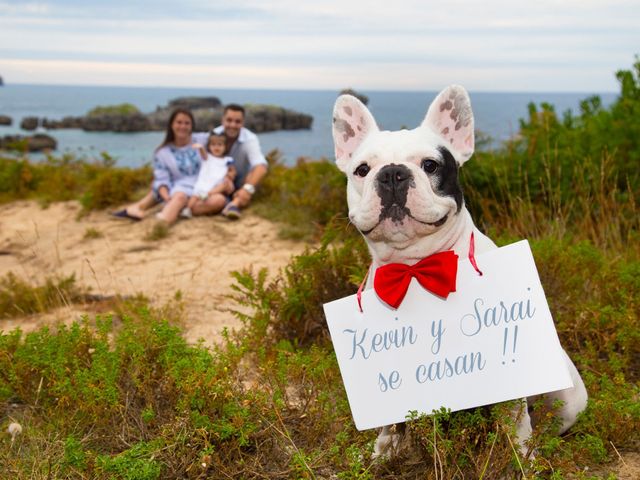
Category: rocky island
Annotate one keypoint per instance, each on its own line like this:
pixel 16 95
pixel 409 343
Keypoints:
pixel 360 96
pixel 207 112
pixel 30 143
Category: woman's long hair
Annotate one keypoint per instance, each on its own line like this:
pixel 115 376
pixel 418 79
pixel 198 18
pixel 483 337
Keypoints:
pixel 169 136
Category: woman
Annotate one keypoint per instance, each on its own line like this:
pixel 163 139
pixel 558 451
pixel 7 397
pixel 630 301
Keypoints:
pixel 175 170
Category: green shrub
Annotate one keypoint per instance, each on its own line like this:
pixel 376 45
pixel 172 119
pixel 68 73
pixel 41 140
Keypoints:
pixel 74 455
pixel 576 175
pixel 271 401
pixel 92 381
pixel 158 231
pixel 114 187
pixel 120 109
pixel 16 179
pixel 136 463
pixel 19 298
pixel 290 307
pixel 303 198
pixel 92 233
pixel 577 278
pixel 97 184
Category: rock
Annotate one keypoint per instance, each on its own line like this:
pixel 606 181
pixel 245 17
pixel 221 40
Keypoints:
pixel 269 118
pixel 29 123
pixel 207 113
pixel 258 119
pixel 158 120
pixel 296 121
pixel 204 119
pixel 66 122
pixel 207 119
pixel 193 103
pixel 349 91
pixel 41 141
pixel 136 122
pixel 5 120
pixel 31 143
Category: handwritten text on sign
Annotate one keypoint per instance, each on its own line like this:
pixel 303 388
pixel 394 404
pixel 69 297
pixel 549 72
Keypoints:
pixel 492 340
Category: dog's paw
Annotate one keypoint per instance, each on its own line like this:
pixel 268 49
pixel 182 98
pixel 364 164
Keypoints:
pixel 386 445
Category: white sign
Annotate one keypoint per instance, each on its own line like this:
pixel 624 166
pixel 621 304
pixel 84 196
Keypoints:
pixel 490 341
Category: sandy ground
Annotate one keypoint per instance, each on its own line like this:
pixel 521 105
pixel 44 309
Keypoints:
pixel 195 258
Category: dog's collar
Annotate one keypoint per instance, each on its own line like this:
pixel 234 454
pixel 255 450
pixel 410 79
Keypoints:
pixel 472 259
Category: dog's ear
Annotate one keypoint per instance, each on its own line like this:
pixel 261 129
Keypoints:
pixel 451 118
pixel 352 123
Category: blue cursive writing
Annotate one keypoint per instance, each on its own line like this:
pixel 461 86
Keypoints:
pixel 365 344
pixel 472 323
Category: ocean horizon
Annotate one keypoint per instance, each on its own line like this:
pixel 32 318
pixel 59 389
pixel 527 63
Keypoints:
pixel 497 114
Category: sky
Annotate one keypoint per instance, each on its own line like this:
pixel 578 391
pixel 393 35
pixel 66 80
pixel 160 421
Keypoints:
pixel 488 45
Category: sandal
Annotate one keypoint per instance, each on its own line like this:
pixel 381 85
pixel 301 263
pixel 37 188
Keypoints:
pixel 124 214
pixel 231 212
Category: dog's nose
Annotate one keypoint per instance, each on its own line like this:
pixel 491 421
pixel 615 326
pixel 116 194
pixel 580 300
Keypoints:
pixel 392 185
pixel 393 176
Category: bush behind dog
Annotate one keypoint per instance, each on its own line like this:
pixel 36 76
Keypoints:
pixel 303 198
pixel 576 176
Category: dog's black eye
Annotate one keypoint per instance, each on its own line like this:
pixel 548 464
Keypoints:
pixel 429 166
pixel 362 170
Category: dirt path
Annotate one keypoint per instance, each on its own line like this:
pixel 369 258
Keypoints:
pixel 195 258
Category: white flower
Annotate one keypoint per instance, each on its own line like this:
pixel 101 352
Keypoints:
pixel 14 429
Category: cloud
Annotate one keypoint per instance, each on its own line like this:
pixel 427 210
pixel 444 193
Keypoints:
pixel 140 9
pixel 372 76
pixel 24 8
pixel 331 39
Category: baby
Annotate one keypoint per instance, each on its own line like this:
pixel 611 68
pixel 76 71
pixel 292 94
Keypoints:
pixel 216 173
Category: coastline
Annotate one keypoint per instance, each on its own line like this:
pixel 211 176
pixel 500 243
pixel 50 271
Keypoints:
pixel 497 115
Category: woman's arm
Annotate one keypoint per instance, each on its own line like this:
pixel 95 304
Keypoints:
pixel 161 175
pixel 163 192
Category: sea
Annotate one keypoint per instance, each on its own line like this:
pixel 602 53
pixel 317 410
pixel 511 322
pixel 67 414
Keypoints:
pixel 496 114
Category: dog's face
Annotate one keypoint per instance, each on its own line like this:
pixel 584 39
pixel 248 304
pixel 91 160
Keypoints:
pixel 403 187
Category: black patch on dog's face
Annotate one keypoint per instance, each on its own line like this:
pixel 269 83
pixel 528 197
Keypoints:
pixel 447 182
pixel 392 185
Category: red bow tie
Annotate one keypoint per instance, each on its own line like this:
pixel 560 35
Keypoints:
pixel 436 273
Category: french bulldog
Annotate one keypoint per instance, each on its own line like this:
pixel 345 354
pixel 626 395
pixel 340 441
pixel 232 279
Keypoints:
pixel 405 198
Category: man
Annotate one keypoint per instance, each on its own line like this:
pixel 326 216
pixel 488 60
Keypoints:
pixel 251 167
pixel 244 147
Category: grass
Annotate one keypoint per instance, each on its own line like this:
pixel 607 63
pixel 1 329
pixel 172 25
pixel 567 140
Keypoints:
pixel 158 231
pixel 96 183
pixel 92 233
pixel 121 395
pixel 269 402
pixel 18 297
